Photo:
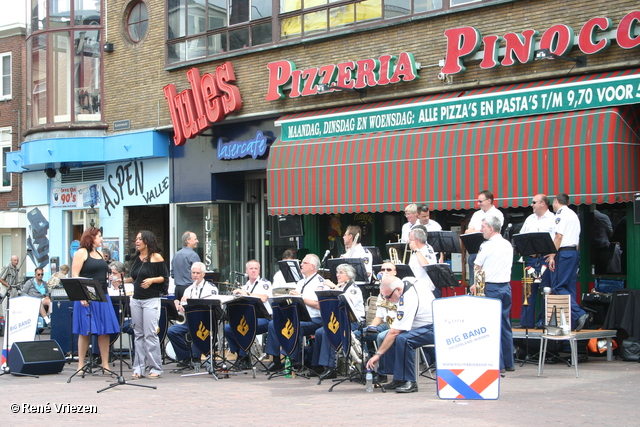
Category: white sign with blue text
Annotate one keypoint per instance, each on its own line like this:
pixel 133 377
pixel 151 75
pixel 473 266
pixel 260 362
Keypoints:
pixel 467 342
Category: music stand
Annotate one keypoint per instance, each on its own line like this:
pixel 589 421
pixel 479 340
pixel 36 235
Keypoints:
pixel 261 312
pixel 539 244
pixel 212 305
pixel 123 307
pixel 375 254
pixel 303 316
pixel 290 269
pixel 444 241
pixel 83 289
pixel 441 275
pixel 472 242
pixel 356 263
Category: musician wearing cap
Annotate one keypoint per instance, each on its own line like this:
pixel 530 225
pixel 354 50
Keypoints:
pixel 306 288
pixel 351 239
pixel 485 203
pixel 176 333
pixel 541 220
pixel 324 356
pixel 412 328
pixel 564 264
pixel 495 259
pixel 256 286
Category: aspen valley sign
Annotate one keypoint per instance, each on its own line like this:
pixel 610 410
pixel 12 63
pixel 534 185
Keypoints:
pixel 208 101
pixel 464 42
pixel 360 74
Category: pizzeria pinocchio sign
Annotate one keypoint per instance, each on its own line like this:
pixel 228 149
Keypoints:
pixel 209 100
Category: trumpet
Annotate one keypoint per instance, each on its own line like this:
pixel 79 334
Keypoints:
pixel 479 282
pixel 527 280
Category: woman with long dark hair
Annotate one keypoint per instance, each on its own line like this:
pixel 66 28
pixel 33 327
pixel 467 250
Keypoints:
pixel 150 279
pixel 97 318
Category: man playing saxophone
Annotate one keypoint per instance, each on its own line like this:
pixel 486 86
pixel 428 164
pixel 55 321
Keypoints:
pixel 495 259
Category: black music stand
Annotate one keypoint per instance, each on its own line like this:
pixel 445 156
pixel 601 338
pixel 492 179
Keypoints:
pixel 441 275
pixel 261 313
pixel 356 263
pixel 123 305
pixel 83 289
pixel 212 305
pixel 290 269
pixel 532 244
pixel 303 316
pixel 444 241
pixel 472 242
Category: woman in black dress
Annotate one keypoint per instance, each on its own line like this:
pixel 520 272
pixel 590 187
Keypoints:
pixel 88 262
pixel 150 277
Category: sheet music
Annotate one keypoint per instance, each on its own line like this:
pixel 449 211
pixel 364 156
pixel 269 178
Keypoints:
pixel 224 299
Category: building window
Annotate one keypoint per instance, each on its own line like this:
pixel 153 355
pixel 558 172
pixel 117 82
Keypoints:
pixel 5 83
pixel 5 145
pixel 210 28
pixel 137 22
pixel 64 61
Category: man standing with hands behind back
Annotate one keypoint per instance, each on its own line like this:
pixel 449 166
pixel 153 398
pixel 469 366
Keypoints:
pixel 182 262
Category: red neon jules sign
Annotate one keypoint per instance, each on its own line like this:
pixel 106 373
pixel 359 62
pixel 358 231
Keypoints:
pixel 208 101
pixel 464 42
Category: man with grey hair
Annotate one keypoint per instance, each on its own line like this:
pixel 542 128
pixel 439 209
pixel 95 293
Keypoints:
pixel 495 259
pixel 422 254
pixel 411 213
pixel 8 278
pixel 305 288
pixel 412 328
pixel 199 289
pixel 182 262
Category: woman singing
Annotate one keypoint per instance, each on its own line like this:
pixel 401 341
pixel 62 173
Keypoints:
pixel 97 318
pixel 150 276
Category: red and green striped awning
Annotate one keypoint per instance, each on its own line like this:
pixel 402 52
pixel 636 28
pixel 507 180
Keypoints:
pixel 591 155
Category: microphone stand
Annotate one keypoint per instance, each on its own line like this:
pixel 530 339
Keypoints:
pixel 122 305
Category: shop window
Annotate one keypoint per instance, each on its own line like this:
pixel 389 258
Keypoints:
pixel 5 145
pixel 196 28
pixel 137 22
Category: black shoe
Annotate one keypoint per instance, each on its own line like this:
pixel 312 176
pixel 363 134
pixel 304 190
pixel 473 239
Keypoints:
pixel 275 367
pixel 328 374
pixel 407 387
pixel 243 363
pixel 184 363
pixel 393 385
pixel 502 370
pixel 380 379
pixel 315 371
pixel 581 321
pixel 510 369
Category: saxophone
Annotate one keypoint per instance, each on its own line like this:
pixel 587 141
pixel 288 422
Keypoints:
pixel 390 307
pixel 479 282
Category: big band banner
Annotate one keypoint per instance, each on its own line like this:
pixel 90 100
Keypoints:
pixel 467 340
pixel 23 321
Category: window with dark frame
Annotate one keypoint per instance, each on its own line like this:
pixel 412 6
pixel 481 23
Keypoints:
pixel 137 22
pixel 208 28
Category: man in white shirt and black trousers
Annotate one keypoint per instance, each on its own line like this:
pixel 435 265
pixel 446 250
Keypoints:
pixel 412 328
pixel 495 258
pixel 564 264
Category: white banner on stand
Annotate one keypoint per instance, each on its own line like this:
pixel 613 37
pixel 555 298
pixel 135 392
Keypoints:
pixel 467 341
pixel 23 323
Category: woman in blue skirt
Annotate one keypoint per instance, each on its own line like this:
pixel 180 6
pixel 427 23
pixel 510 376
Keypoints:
pixel 89 263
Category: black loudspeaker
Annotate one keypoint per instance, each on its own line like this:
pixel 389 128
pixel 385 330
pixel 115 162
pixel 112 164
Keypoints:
pixel 36 358
pixel 290 225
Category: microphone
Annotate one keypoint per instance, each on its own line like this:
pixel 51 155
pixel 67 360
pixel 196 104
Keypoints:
pixel 324 258
pixel 237 273
pixel 505 234
pixel 379 276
